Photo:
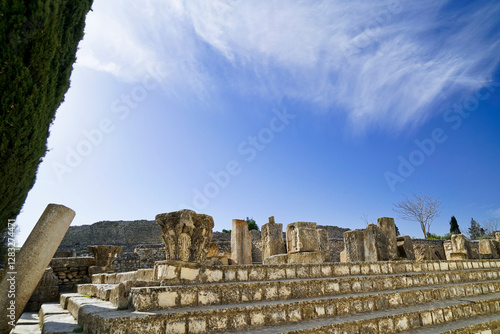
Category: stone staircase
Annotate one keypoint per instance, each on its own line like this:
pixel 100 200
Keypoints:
pixel 378 297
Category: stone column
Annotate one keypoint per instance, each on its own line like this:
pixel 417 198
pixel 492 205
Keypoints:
pixel 241 243
pixel 272 239
pixel 31 261
pixel 389 228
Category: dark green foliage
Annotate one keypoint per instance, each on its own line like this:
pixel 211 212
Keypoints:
pixel 397 230
pixel 454 229
pixel 252 225
pixel 38 44
pixel 226 231
pixel 475 230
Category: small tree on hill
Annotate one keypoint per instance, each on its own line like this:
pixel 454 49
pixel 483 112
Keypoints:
pixel 252 225
pixel 419 207
pixel 475 230
pixel 454 229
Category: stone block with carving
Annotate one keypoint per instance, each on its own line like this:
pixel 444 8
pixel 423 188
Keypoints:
pixel 241 243
pixel 375 244
pixel 389 228
pixel 424 253
pixel 460 244
pixel 302 237
pixel 405 247
pixel 103 255
pixel 186 234
pixel 272 239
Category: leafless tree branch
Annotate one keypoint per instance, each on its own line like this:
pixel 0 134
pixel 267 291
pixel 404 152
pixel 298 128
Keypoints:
pixel 421 208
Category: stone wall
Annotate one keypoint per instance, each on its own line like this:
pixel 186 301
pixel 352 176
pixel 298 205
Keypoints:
pixel 143 257
pixel 128 234
pixel 71 271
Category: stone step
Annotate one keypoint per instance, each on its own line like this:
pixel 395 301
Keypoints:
pixel 56 320
pixel 474 314
pixel 174 274
pixel 28 323
pixel 99 317
pixel 150 298
pixel 479 324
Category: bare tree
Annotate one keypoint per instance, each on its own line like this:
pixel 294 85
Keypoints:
pixel 419 207
pixel 491 226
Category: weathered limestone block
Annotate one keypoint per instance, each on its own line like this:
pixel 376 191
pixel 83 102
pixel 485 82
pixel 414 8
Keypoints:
pixel 272 239
pixel 405 247
pixel 297 258
pixel 343 257
pixel 213 249
pixel 354 246
pixel 375 244
pixel 104 254
pixel 460 244
pixel 32 260
pixel 424 253
pixel 487 249
pixel 186 234
pixel 323 240
pixel 497 236
pixel 241 243
pixel 448 249
pixel 389 228
pixel 301 237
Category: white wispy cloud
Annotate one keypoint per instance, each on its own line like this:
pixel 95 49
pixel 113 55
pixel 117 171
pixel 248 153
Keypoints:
pixel 389 63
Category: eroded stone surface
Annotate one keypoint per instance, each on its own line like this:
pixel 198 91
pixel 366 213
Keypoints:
pixel 241 243
pixel 405 248
pixel 460 244
pixel 389 228
pixel 302 237
pixel 272 239
pixel 186 235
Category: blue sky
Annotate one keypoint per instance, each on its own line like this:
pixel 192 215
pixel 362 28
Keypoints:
pixel 323 111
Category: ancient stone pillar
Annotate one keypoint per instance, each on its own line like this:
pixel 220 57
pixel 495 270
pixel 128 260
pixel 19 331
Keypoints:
pixel 186 234
pixel 354 246
pixel 301 237
pixel 405 248
pixel 31 261
pixel 241 243
pixel 497 236
pixel 447 249
pixel 389 228
pixel 375 244
pixel 272 239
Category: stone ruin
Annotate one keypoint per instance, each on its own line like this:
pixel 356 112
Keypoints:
pixel 186 234
pixel 304 243
pixel 104 255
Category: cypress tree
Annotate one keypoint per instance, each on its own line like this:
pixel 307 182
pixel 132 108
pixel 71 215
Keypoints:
pixel 454 229
pixel 38 44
